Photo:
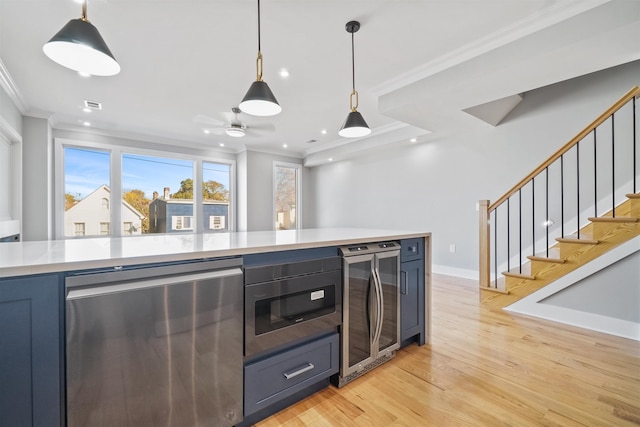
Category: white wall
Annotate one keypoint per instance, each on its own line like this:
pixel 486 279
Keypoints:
pixel 434 186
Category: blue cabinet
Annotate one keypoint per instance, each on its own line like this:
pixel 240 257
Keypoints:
pixel 30 351
pixel 412 292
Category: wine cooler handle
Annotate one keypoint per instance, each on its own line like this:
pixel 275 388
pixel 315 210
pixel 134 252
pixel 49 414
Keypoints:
pixel 380 303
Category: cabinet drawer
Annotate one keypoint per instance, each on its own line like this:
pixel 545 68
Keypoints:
pixel 269 380
pixel 411 249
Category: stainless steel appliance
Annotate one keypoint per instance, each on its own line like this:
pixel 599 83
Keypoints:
pixel 371 317
pixel 157 346
pixel 288 302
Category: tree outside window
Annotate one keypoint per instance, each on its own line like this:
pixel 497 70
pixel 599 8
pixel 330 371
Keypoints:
pixel 286 195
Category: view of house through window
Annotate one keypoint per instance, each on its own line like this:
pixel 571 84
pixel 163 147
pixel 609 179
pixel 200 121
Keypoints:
pixel 87 174
pixel 215 196
pixel 286 195
pixel 157 194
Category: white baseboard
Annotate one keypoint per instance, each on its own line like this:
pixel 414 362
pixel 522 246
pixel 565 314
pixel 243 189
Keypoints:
pixel 458 272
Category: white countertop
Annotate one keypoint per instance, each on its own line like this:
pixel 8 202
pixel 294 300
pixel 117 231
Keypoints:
pixel 22 258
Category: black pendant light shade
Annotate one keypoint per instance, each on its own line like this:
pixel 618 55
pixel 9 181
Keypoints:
pixel 259 100
pixel 354 126
pixel 80 47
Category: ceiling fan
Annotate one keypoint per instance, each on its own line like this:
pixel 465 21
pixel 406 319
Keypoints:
pixel 232 125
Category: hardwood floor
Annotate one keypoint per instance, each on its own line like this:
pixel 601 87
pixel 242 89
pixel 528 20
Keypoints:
pixel 487 368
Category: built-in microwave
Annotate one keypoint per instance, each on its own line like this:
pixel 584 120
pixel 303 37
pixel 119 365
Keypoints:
pixel 288 302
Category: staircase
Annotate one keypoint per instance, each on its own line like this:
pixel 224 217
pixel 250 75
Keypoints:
pixel 508 233
pixel 599 236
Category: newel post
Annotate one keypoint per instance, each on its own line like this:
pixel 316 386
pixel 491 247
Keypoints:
pixel 485 258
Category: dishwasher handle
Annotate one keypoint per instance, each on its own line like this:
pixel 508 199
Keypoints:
pixel 94 291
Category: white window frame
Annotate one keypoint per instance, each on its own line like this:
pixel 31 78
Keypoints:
pixel 298 169
pixel 116 152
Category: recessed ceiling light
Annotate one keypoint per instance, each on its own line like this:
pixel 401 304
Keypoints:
pixel 221 144
pixel 86 109
pixel 330 159
pixel 413 139
pixel 86 123
pixel 284 73
pixel 323 131
pixel 207 131
pixel 284 145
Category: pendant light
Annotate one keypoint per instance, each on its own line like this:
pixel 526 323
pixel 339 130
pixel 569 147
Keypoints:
pixel 259 100
pixel 354 126
pixel 80 47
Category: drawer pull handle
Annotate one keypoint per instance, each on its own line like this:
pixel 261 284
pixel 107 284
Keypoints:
pixel 308 367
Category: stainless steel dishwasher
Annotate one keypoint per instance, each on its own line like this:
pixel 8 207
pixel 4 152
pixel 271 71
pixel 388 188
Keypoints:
pixel 158 346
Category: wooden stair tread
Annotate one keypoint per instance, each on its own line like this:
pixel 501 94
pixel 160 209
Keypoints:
pixel 619 219
pixel 518 275
pixel 581 240
pixel 633 196
pixel 546 259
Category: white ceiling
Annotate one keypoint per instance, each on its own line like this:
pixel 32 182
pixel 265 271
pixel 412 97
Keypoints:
pixel 419 64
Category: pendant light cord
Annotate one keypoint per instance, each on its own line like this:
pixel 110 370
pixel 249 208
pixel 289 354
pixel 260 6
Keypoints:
pixel 354 92
pixel 353 63
pixel 259 59
pixel 258 25
pixel 84 11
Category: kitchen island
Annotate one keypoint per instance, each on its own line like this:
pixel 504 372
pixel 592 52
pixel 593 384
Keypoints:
pixel 34 284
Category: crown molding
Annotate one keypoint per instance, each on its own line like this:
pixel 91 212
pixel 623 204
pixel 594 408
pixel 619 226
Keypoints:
pixel 531 24
pixel 8 84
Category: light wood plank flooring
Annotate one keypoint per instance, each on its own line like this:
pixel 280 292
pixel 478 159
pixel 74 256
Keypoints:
pixel 487 368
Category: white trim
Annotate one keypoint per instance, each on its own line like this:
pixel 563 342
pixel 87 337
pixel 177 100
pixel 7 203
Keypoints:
pixel 8 84
pixel 530 304
pixel 454 271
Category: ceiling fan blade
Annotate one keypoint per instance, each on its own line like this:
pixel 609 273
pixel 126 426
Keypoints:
pixel 262 127
pixel 206 120
pixel 217 130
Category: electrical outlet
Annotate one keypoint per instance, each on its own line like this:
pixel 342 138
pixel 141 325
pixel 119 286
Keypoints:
pixel 452 248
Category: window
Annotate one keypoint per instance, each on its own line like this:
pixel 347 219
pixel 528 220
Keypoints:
pixel 286 195
pixel 153 187
pixel 216 223
pixel 181 223
pixel 104 229
pixel 127 229
pixel 87 175
pixel 160 181
pixel 78 229
pixel 215 195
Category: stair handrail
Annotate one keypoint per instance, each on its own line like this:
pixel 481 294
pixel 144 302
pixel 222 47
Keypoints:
pixel 486 209
pixel 633 92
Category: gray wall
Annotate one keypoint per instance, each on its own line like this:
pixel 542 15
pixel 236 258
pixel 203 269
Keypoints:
pixel 257 203
pixel 434 186
pixel 37 179
pixel 613 291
